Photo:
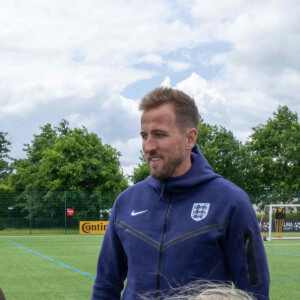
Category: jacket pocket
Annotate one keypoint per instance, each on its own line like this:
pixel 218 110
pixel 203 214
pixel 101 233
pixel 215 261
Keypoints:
pixel 250 255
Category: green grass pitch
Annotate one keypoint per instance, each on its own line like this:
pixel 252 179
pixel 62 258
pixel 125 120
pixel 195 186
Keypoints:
pixel 27 275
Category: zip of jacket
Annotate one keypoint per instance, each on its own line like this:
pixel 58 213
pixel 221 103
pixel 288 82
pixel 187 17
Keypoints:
pixel 162 243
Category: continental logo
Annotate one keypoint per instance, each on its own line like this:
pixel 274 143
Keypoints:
pixel 92 227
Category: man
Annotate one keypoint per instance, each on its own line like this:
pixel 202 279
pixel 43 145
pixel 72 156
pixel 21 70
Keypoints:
pixel 182 223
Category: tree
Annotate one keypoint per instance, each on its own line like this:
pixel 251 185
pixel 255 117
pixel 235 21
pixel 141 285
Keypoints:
pixel 7 201
pixel 64 159
pixel 4 150
pixel 226 155
pixel 275 148
pixel 142 171
pixel 79 161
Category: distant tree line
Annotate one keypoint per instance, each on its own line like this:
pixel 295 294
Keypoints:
pixel 59 159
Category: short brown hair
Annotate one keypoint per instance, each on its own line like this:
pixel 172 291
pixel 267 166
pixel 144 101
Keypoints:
pixel 186 111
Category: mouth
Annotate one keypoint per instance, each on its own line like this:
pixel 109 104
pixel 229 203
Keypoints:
pixel 154 159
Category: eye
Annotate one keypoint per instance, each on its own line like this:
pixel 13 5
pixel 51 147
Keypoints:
pixel 144 136
pixel 159 134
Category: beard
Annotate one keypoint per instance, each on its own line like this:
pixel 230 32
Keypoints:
pixel 170 166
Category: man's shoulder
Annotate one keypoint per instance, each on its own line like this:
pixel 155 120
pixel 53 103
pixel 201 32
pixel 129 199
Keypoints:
pixel 229 189
pixel 132 196
pixel 136 188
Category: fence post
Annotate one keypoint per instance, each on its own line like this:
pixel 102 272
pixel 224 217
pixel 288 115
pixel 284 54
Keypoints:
pixel 298 208
pixel 65 212
pixel 100 205
pixel 30 212
pixel 267 200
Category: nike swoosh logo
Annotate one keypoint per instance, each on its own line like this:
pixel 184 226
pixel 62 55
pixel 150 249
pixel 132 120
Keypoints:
pixel 133 213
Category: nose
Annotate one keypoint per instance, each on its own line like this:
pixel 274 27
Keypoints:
pixel 149 145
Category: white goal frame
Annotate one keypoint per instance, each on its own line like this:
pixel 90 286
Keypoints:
pixel 270 218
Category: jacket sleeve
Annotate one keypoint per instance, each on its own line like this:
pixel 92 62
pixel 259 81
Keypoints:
pixel 245 253
pixel 112 265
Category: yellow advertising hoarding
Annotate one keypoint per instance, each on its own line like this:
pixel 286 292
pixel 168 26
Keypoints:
pixel 92 227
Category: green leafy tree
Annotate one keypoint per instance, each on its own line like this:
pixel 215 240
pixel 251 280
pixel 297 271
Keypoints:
pixel 141 172
pixel 275 148
pixel 8 209
pixel 79 161
pixel 64 159
pixel 25 177
pixel 227 155
pixel 4 150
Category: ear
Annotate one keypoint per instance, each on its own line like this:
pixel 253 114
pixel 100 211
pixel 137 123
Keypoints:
pixel 191 138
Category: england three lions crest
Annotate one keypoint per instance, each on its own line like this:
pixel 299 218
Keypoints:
pixel 199 211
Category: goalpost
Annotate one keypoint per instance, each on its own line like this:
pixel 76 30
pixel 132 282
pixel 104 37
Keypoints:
pixel 282 221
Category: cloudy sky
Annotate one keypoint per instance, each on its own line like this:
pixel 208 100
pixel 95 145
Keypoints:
pixel 91 61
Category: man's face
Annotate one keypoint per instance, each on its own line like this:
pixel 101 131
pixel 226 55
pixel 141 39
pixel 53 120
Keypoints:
pixel 163 143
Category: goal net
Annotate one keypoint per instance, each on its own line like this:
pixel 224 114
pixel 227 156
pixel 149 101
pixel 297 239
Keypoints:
pixel 281 221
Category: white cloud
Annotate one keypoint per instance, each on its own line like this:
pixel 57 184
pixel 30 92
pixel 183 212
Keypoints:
pixel 166 82
pixel 78 120
pixel 152 58
pixel 237 111
pixel 262 69
pixel 206 97
pixel 264 56
pixel 128 170
pixel 58 49
pixel 214 10
pixel 177 66
pixel 73 59
pixel 130 150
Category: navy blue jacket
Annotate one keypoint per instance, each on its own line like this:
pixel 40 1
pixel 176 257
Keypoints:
pixel 169 233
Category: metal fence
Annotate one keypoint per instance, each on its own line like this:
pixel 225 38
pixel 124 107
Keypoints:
pixel 261 199
pixel 52 212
